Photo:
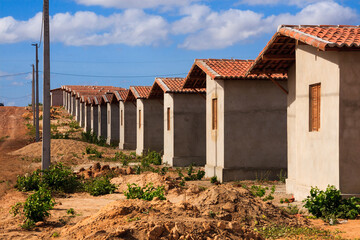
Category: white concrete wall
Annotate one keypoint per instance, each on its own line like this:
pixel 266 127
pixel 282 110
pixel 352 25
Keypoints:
pixel 150 136
pixel 102 121
pixel 128 126
pixel 185 142
pixel 94 119
pixel 73 105
pixel 113 123
pixel 87 122
pixel 82 115
pixel 250 142
pixel 317 153
pixel 77 110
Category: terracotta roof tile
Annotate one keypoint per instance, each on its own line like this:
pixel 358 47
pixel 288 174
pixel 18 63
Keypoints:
pixel 140 91
pixel 170 85
pixel 221 69
pixel 281 48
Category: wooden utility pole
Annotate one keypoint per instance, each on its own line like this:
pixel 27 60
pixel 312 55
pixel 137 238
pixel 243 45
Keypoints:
pixel 33 93
pixel 37 136
pixel 45 163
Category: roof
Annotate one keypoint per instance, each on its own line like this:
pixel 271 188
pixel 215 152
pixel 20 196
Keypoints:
pixel 279 54
pixel 55 89
pixel 121 95
pixel 170 85
pixel 221 69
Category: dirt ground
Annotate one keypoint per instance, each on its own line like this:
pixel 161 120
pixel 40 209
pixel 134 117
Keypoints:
pixel 200 210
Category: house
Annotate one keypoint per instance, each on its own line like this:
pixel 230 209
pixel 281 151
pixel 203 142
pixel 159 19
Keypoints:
pixel 323 104
pixel 245 120
pixel 146 116
pixel 113 121
pixel 183 120
pixel 56 97
pixel 127 105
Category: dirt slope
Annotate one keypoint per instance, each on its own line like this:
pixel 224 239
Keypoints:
pixel 13 136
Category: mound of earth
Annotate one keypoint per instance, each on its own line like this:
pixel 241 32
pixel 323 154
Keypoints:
pixel 141 180
pixel 220 212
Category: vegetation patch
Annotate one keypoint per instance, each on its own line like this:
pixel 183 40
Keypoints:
pixel 149 192
pixel 329 204
pixel 100 186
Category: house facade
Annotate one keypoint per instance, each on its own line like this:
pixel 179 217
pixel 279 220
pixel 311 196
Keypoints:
pixel 245 120
pixel 323 104
pixel 56 97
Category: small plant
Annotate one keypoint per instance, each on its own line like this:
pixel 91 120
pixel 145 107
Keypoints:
pixel 134 219
pixel 36 207
pixel 100 186
pixel 291 209
pixel 270 196
pixel 192 177
pixel 146 193
pixel 214 180
pixel 258 191
pixel 70 211
pixel 74 125
pixel 282 176
pixel 153 157
pixel 55 235
pixel 329 204
pixel 94 152
pixel 93 138
pixel 212 214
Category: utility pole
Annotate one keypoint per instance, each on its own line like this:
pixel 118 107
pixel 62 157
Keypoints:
pixel 37 137
pixel 45 163
pixel 33 93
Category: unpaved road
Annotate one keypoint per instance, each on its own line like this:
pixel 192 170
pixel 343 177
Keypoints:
pixel 13 136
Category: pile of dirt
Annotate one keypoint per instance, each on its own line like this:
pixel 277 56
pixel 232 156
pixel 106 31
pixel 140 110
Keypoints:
pixel 220 212
pixel 141 180
pixel 64 150
pixel 98 170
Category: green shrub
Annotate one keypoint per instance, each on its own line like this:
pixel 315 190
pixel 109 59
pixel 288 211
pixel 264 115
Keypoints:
pixel 92 150
pixel 61 178
pixel 153 157
pixel 58 135
pixel 100 186
pixel 214 180
pixel 146 193
pixel 258 191
pixel 74 125
pixel 29 182
pixel 36 207
pixel 192 177
pixel 330 205
pixel 93 138
pixel 70 211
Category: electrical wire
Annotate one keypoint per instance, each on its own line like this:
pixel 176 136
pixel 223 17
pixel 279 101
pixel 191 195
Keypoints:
pixel 29 95
pixel 124 76
pixel 15 74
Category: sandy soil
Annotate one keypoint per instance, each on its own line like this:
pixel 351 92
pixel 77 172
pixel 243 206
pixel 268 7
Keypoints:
pixel 184 215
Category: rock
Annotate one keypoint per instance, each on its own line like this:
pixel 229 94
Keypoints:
pixel 156 232
pixel 169 226
pixel 221 225
pixel 105 168
pixel 206 226
pixel 180 227
pixel 229 207
pixel 129 171
pixel 82 169
pixel 98 174
pixel 39 224
pixel 96 167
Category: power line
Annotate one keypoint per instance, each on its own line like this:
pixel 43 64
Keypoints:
pixel 29 95
pixel 119 76
pixel 15 74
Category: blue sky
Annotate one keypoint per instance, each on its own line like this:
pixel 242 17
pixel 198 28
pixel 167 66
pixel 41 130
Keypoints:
pixel 135 40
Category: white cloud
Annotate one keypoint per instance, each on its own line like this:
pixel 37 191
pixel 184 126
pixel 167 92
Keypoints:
pixel 136 3
pixel 19 84
pixel 133 27
pixel 224 29
pixel 299 3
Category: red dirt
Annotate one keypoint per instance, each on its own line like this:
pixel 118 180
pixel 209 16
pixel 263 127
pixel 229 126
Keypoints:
pixel 13 133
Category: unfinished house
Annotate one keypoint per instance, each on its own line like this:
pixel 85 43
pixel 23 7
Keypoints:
pixel 56 96
pixel 184 121
pixel 323 104
pixel 147 114
pixel 113 115
pixel 245 120
pixel 127 105
pixel 102 117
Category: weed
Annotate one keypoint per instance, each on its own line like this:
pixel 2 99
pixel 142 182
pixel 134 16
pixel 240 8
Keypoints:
pixel 330 205
pixel 55 235
pixel 74 125
pixel 94 151
pixel 2 139
pixel 32 130
pixel 214 180
pixel 100 186
pixel 291 209
pixel 258 191
pixel 282 176
pixel 70 211
pixel 146 193
pixel 93 138
pixel 192 177
pixel 36 207
pixel 58 135
pixel 134 219
pixel 211 214
pixel 153 157
pixel 36 160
